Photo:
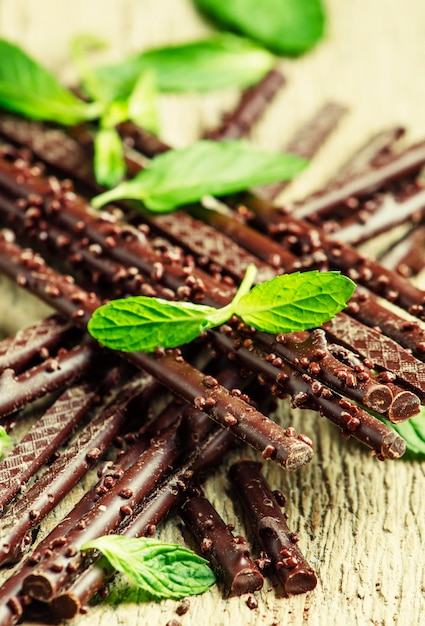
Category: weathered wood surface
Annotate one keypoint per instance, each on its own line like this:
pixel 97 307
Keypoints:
pixel 361 522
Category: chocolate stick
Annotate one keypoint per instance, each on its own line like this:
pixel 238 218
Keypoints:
pixel 228 555
pixel 374 149
pixel 170 369
pixel 64 473
pixel 403 164
pixel 43 439
pixel 307 142
pixel 269 526
pixel 34 341
pixel 409 333
pixel 250 108
pixel 67 367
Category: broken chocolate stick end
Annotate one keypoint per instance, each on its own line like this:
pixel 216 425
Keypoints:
pixel 38 587
pixel 300 581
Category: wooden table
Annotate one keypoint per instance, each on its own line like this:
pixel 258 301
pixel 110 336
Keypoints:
pixel 361 522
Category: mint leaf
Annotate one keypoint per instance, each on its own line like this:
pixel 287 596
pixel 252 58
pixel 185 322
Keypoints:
pixel 283 304
pixel 31 90
pixel 225 60
pixel 143 323
pixel 109 164
pixel 295 302
pixel 164 570
pixel 287 27
pixel 5 441
pixel 142 103
pixel 179 177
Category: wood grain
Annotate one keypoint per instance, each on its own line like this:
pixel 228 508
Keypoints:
pixel 361 522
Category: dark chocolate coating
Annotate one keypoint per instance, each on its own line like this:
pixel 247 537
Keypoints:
pixel 270 528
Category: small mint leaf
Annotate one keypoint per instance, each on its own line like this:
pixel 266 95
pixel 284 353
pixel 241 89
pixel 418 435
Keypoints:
pixel 164 570
pixel 295 302
pixel 142 323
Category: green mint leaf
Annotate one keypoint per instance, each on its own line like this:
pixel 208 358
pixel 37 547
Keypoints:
pixel 183 176
pixel 287 27
pixel 109 164
pixel 222 61
pixel 143 102
pixel 164 570
pixel 5 441
pixel 143 323
pixel 295 302
pixel 29 89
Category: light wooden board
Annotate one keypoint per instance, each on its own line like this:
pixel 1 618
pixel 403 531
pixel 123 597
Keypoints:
pixel 361 522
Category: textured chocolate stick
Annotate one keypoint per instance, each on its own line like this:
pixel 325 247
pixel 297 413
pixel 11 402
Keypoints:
pixel 250 108
pixel 389 212
pixel 68 603
pixel 67 367
pixel 270 528
pixel 64 473
pixel 229 555
pixel 307 142
pixel 170 369
pixel 34 341
pixel 306 392
pixel 43 439
pixel 409 333
pixel 403 164
pixel 382 352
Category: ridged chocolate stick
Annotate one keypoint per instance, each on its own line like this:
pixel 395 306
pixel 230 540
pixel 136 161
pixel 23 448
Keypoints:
pixel 64 473
pixel 42 440
pixel 270 528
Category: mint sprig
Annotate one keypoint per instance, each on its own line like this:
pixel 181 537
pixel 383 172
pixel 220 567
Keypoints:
pixel 206 167
pixel 164 570
pixel 287 303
